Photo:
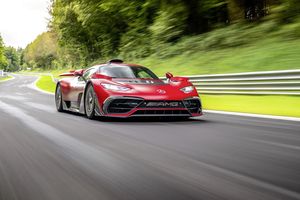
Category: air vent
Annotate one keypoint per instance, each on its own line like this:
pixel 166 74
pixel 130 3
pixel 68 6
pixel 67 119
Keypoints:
pixel 193 105
pixel 122 105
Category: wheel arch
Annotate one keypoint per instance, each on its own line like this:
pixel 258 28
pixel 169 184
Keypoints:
pixel 97 107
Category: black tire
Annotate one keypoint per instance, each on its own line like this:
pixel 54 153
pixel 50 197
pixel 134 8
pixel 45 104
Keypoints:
pixel 58 99
pixel 90 102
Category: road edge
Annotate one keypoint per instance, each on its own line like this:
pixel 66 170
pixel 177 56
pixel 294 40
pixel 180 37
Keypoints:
pixel 11 78
pixel 285 118
pixel 34 86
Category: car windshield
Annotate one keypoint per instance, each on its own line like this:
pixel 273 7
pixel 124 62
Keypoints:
pixel 127 72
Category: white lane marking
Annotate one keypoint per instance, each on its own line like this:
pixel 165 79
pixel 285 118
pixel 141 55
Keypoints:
pixel 288 146
pixel 296 119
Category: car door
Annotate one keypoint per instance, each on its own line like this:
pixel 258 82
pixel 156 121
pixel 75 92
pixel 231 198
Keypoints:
pixel 78 84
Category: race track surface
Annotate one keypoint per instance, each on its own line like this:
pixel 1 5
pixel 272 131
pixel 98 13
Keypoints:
pixel 46 155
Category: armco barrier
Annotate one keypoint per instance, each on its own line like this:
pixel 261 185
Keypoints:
pixel 286 82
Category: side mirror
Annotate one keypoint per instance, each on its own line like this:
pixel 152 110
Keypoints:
pixel 78 72
pixel 169 75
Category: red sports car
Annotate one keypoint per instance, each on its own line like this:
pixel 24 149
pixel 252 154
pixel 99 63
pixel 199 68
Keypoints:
pixel 116 89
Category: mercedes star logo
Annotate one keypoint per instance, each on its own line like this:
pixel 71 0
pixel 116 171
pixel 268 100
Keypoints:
pixel 161 91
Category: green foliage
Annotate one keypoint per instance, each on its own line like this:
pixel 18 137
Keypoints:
pixel 13 59
pixel 3 60
pixel 90 30
pixel 291 10
pixel 167 26
pixel 42 52
pixel 85 32
pixel 236 48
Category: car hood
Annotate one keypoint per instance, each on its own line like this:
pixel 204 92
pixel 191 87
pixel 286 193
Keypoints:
pixel 156 89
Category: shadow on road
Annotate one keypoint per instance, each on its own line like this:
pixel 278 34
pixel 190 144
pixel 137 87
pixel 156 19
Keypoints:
pixel 151 119
pixel 144 119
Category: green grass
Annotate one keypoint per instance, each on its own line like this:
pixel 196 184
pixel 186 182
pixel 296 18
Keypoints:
pixel 270 54
pixel 45 83
pixel 269 105
pixel 236 48
pixel 5 78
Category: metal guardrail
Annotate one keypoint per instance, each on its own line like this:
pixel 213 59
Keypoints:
pixel 285 82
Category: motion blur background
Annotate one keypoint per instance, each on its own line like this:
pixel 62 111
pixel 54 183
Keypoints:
pixel 186 37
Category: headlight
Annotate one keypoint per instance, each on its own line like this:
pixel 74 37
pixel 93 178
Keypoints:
pixel 187 89
pixel 114 87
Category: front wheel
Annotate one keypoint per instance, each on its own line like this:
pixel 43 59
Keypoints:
pixel 89 102
pixel 58 99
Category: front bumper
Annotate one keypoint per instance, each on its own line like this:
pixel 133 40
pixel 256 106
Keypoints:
pixel 137 107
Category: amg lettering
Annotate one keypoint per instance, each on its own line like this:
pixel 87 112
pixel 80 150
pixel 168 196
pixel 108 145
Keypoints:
pixel 163 104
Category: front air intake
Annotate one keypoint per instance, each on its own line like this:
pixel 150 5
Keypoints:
pixel 119 106
pixel 193 105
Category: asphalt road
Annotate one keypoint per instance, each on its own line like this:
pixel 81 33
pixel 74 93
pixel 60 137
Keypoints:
pixel 46 155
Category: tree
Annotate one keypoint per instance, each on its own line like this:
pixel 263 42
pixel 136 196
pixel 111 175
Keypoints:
pixel 3 60
pixel 292 10
pixel 42 52
pixel 93 30
pixel 12 58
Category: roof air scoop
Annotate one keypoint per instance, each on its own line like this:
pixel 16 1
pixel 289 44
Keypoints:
pixel 115 61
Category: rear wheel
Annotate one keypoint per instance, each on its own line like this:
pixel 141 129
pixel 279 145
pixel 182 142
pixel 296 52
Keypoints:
pixel 58 99
pixel 89 102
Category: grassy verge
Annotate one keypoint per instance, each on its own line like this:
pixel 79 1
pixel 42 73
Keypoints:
pixel 45 83
pixel 269 105
pixel 5 78
pixel 265 55
pixel 236 48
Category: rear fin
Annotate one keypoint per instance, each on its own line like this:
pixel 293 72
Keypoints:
pixel 67 74
pixel 73 73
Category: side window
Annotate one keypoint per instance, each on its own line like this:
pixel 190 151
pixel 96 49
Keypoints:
pixel 143 74
pixel 87 74
pixel 104 70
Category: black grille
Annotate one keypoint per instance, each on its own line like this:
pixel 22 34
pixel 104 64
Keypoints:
pixel 122 105
pixel 161 112
pixel 193 105
pixel 162 104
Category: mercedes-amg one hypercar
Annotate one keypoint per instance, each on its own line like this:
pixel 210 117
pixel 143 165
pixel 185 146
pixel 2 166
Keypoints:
pixel 116 89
